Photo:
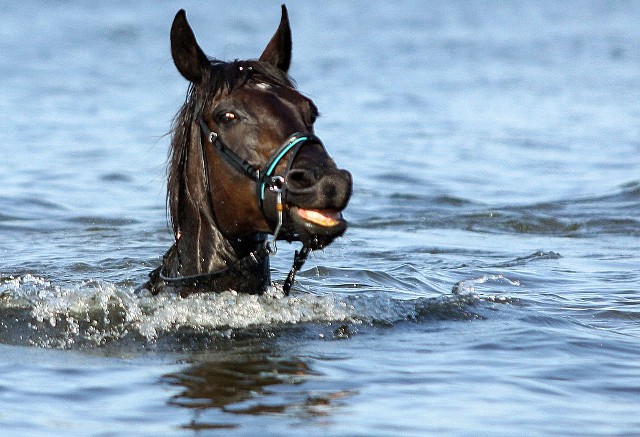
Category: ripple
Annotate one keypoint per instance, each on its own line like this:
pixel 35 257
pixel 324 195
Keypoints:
pixel 116 177
pixel 101 222
pixel 525 223
pixel 536 256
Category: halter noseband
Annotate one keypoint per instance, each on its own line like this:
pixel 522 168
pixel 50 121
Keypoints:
pixel 264 179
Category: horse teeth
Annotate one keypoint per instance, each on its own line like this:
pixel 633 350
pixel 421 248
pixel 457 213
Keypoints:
pixel 322 218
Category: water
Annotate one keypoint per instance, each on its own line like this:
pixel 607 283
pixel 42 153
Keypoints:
pixel 488 284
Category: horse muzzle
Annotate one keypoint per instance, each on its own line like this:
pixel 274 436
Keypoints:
pixel 315 202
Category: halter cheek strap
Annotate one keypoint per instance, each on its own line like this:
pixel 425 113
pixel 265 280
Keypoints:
pixel 229 155
pixel 264 179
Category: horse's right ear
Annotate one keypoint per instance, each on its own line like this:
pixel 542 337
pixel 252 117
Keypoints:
pixel 189 58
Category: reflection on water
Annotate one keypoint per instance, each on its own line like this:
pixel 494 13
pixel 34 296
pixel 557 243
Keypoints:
pixel 251 381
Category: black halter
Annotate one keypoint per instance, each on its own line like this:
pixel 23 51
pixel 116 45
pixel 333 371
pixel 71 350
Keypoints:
pixel 264 179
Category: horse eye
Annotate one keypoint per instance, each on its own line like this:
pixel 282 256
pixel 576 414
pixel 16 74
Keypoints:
pixel 314 117
pixel 313 112
pixel 227 118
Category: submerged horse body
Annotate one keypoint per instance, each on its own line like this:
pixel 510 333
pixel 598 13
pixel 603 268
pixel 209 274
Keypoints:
pixel 245 169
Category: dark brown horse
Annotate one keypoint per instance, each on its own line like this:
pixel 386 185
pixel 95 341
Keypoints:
pixel 245 169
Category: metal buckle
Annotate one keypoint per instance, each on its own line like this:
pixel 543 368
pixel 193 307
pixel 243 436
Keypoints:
pixel 276 184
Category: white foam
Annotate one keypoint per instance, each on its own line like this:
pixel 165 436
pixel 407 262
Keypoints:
pixel 97 312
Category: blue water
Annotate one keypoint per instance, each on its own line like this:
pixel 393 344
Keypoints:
pixel 488 284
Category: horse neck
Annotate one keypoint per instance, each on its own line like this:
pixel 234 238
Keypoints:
pixel 200 245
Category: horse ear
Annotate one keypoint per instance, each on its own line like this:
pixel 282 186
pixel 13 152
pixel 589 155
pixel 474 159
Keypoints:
pixel 278 51
pixel 189 58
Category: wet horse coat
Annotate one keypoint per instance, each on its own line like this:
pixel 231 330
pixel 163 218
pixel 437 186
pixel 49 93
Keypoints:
pixel 245 164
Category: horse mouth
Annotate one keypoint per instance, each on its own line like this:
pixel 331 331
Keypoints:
pixel 317 227
pixel 324 218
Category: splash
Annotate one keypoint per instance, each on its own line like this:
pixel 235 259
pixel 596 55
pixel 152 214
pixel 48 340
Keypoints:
pixel 37 312
pixel 97 312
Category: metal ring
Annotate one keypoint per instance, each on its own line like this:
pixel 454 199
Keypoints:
pixel 276 184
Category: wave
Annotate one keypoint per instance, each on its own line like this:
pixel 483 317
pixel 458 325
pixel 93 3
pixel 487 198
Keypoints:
pixel 34 311
pixel 615 213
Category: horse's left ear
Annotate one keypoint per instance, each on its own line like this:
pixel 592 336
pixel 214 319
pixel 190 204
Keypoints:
pixel 278 51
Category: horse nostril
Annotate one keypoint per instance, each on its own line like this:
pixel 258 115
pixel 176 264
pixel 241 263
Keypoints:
pixel 300 179
pixel 328 190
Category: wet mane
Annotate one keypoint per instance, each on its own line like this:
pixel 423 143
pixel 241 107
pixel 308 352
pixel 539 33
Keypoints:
pixel 221 77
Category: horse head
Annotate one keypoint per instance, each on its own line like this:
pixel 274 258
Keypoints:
pixel 245 160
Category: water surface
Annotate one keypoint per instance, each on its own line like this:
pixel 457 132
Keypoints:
pixel 487 285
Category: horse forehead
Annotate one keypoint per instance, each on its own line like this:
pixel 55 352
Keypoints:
pixel 271 94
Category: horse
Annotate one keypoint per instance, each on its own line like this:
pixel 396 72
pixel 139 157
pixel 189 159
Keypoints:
pixel 245 170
